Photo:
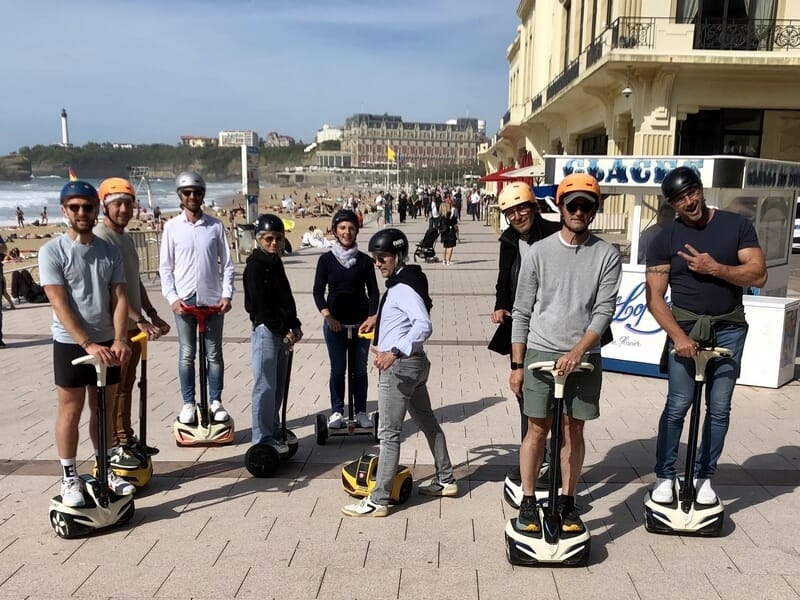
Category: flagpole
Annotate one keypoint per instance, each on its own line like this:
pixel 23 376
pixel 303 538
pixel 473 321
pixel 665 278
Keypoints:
pixel 387 167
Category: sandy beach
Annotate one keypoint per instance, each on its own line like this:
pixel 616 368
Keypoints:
pixel 30 238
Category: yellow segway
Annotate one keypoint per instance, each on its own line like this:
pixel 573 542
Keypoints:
pixel 358 479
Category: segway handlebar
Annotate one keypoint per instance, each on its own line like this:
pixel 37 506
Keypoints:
pixel 704 355
pixel 560 379
pixel 201 313
pixel 99 367
pixel 141 339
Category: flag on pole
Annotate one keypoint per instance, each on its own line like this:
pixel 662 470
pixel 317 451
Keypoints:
pixel 390 153
pixel 72 176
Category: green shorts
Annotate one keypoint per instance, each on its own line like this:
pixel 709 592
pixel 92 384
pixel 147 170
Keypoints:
pixel 581 392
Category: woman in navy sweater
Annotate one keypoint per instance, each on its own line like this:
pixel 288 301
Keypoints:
pixel 352 300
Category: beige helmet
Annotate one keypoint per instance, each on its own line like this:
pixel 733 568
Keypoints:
pixel 513 194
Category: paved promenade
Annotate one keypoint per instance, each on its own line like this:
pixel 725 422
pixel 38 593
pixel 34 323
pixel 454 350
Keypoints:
pixel 204 528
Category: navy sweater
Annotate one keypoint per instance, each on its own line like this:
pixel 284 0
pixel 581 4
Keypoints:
pixel 352 293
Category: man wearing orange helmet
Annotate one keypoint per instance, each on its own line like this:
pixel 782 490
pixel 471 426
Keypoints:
pixel 565 299
pixel 117 198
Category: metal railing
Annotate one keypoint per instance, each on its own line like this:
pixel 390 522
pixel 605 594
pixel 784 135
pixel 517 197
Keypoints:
pixel 750 35
pixel 566 77
pixel 506 118
pixel 148 245
pixel 536 103
pixel 633 32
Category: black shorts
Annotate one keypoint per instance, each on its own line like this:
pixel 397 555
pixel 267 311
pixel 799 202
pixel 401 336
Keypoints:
pixel 68 375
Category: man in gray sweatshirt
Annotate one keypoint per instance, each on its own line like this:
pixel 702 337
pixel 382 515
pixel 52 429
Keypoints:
pixel 565 300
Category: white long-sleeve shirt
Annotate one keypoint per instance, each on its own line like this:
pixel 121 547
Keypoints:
pixel 195 259
pixel 405 321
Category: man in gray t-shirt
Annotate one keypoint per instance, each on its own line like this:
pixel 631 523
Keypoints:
pixel 566 295
pixel 84 280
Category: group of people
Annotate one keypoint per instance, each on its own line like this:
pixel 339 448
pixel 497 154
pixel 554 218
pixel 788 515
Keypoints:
pixel 555 299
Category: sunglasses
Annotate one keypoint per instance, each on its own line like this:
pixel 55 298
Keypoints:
pixel 584 207
pixel 195 193
pixel 518 211
pixel 76 208
pixel 272 239
pixel 381 259
pixel 682 198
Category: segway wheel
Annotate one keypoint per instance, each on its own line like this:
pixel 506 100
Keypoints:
pixel 375 420
pixel 291 441
pixel 63 525
pixel 262 460
pixel 405 490
pixel 321 430
pixel 127 515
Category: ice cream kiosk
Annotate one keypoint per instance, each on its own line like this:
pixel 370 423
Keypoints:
pixel 766 191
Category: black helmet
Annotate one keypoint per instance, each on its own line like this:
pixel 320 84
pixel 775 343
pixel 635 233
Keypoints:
pixel 342 215
pixel 678 181
pixel 269 223
pixel 390 240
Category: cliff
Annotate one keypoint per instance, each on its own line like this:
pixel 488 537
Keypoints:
pixel 15 167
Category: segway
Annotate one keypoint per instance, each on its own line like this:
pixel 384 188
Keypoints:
pixel 358 479
pixel 551 545
pixel 351 427
pixel 140 474
pixel 102 507
pixel 262 459
pixel 684 514
pixel 512 486
pixel 204 430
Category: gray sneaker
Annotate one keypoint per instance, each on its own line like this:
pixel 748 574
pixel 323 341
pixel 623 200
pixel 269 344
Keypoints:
pixel 437 488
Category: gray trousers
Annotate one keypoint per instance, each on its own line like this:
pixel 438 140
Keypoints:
pixel 401 388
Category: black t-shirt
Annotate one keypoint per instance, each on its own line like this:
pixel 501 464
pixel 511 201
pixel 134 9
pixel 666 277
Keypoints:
pixel 722 237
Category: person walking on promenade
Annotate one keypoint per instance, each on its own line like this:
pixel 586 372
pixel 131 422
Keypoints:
pixel 117 197
pixel 475 204
pixel 84 279
pixel 526 226
pixel 269 301
pixel 402 206
pixel 349 278
pixel 448 228
pixel 706 257
pixel 402 327
pixel 196 270
pixel 380 210
pixel 565 300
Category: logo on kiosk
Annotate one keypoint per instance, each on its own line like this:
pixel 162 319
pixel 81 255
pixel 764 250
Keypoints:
pixel 633 171
pixel 632 311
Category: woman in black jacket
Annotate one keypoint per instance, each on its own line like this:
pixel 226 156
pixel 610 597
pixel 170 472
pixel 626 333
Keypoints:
pixel 269 301
pixel 352 297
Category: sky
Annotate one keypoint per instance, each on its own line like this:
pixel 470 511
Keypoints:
pixel 149 71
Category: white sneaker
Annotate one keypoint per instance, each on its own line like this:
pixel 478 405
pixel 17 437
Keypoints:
pixel 188 413
pixel 218 411
pixel 437 488
pixel 366 508
pixel 704 493
pixel 363 420
pixel 662 491
pixel 336 421
pixel 118 485
pixel 72 492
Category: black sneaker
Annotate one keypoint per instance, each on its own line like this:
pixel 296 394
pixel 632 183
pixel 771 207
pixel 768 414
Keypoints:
pixel 570 520
pixel 528 519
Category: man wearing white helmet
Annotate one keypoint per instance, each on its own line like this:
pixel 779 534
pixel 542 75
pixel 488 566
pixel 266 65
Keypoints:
pixel 196 270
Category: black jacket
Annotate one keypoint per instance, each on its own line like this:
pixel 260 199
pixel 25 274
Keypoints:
pixel 267 294
pixel 510 259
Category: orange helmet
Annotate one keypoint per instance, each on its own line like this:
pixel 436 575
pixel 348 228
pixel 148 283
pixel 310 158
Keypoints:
pixel 513 194
pixel 576 182
pixel 114 186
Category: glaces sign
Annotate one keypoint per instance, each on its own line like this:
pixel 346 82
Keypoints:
pixel 635 171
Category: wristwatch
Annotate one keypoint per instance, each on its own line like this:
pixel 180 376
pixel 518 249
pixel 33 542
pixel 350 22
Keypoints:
pixel 396 352
pixel 516 365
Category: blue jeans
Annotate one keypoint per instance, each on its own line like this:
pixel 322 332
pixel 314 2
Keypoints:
pixel 403 387
pixel 721 375
pixel 187 349
pixel 269 356
pixel 337 353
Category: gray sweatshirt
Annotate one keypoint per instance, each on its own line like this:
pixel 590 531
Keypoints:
pixel 564 291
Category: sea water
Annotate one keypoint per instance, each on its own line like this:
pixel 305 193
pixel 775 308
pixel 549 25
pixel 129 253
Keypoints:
pixel 36 193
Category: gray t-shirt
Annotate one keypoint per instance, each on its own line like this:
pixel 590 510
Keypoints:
pixel 563 291
pixel 130 257
pixel 87 272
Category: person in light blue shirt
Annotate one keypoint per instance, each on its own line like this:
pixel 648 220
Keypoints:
pixel 403 325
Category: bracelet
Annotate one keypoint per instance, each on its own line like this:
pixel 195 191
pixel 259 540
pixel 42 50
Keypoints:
pixel 86 343
pixel 517 365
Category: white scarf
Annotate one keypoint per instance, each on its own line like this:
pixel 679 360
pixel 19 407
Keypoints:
pixel 345 256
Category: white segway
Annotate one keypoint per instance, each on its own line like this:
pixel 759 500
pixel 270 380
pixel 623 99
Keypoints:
pixel 204 430
pixel 684 514
pixel 350 426
pixel 102 507
pixel 551 545
pixel 262 460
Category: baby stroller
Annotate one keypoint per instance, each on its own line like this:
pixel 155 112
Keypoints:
pixel 425 249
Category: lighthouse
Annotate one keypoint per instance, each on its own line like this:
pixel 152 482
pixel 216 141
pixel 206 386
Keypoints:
pixel 64 129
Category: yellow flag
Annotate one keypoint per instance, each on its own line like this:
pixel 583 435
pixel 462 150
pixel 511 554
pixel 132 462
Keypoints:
pixel 72 176
pixel 390 153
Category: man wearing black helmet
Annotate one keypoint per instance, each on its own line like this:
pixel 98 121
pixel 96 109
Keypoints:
pixel 196 270
pixel 402 327
pixel 706 257
pixel 269 301
pixel 347 275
